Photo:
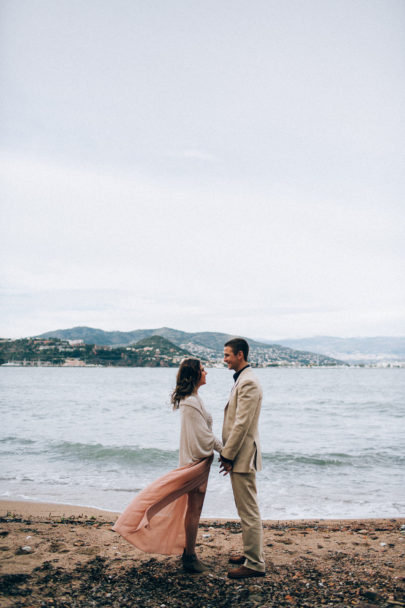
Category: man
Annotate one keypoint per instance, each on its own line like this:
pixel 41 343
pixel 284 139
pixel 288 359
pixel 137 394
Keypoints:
pixel 241 456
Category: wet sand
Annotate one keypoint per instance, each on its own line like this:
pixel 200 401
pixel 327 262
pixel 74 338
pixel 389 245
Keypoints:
pixel 63 556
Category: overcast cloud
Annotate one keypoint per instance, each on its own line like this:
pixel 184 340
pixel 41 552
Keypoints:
pixel 226 166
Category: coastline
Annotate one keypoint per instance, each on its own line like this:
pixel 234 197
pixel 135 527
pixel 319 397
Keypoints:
pixel 309 562
pixel 34 508
pixel 81 364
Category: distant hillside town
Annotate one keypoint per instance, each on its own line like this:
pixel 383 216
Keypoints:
pixel 166 347
pixel 380 351
pixel 163 347
pixel 152 352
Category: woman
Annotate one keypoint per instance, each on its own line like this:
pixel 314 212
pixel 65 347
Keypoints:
pixel 164 517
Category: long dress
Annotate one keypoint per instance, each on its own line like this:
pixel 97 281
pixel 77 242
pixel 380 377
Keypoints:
pixel 154 520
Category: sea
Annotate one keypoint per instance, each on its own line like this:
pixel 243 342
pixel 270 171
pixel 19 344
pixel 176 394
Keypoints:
pixel 333 439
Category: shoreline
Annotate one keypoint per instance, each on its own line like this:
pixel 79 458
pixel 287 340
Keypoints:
pixel 34 508
pixel 37 508
pixel 348 365
pixel 62 555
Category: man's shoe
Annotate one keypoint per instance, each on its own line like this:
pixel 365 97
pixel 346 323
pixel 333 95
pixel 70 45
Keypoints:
pixel 237 559
pixel 244 572
pixel 192 564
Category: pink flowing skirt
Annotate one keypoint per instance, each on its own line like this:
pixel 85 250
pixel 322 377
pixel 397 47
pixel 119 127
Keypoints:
pixel 154 520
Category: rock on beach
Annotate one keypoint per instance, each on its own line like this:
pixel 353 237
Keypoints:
pixel 76 560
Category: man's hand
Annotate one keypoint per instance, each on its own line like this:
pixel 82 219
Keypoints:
pixel 225 465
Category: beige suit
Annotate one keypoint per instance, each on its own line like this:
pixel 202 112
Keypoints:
pixel 241 445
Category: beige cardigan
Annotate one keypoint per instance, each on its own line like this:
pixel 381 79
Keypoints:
pixel 196 437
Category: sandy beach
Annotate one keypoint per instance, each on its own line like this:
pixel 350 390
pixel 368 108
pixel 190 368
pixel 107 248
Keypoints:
pixel 60 555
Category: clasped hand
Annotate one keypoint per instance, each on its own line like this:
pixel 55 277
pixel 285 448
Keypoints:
pixel 225 466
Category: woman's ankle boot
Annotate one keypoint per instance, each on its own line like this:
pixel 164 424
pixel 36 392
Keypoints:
pixel 192 564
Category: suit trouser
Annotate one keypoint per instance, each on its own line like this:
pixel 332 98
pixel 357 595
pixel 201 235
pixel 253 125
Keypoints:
pixel 245 494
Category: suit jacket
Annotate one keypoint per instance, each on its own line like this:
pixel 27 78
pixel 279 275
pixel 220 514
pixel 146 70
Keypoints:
pixel 240 433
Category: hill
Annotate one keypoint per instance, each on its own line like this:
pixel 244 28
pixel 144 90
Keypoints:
pixel 154 351
pixel 353 350
pixel 157 346
pixel 89 335
pixel 206 345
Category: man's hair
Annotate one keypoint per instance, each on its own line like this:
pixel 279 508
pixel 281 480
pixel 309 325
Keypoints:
pixel 238 344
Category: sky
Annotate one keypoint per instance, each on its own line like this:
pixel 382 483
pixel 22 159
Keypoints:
pixel 226 166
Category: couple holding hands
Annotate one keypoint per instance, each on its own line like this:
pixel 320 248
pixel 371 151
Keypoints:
pixel 163 518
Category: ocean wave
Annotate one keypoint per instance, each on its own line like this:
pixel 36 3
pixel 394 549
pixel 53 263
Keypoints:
pixel 17 440
pixel 134 455
pixel 364 459
pixel 153 456
pixel 67 450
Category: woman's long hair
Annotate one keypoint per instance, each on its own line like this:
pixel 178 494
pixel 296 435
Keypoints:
pixel 188 377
